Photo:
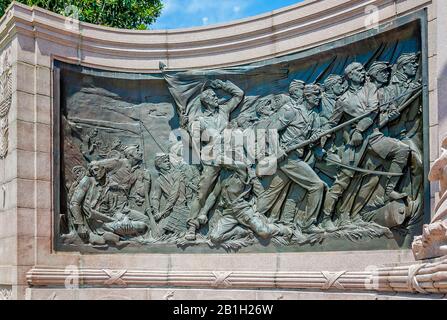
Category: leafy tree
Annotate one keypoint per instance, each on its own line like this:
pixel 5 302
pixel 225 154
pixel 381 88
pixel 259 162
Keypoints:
pixel 126 14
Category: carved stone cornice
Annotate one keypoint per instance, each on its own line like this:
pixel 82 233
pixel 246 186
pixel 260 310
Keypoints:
pixel 294 24
pixel 424 278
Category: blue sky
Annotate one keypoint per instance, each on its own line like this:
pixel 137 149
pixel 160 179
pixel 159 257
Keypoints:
pixel 194 13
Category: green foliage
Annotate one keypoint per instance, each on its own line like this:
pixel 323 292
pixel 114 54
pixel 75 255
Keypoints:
pixel 126 14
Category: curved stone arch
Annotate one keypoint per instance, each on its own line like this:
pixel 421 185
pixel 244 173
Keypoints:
pixel 280 32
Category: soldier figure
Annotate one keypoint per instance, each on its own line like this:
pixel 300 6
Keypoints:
pixel 296 92
pixel 128 174
pixel 213 122
pixel 364 136
pixel 404 78
pixel 231 193
pixel 334 87
pixel 99 209
pixel 403 85
pixel 295 126
pixel 171 185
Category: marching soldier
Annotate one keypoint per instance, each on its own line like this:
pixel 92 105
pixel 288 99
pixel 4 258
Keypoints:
pixel 364 136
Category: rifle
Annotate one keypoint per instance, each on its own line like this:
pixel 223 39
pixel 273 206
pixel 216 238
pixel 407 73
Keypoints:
pixel 341 126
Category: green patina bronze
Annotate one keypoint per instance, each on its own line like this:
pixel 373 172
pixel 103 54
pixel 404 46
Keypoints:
pixel 315 151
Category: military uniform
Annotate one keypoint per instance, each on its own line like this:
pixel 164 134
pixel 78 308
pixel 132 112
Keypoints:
pixel 231 192
pixel 92 202
pixel 295 127
pixel 354 103
pixel 172 186
pixel 214 124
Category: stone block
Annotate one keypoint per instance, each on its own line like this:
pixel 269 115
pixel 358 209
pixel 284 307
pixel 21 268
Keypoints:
pixel 26 222
pixel 8 193
pixel 434 142
pixel 43 109
pixel 24 77
pixel 43 194
pixel 44 227
pixel 43 81
pixel 156 262
pixel 26 164
pixel 46 256
pixel 112 294
pixel 21 135
pixel 433 108
pixel 432 70
pixel 26 254
pixel 23 49
pixel 43 166
pixel 26 193
pixel 8 224
pixel 200 294
pixel 5 274
pixel 51 294
pixel 432 38
pixel 22 107
pixel 342 260
pixel 8 251
pixel 43 138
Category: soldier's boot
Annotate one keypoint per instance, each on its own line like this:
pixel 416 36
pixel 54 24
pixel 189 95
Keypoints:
pixel 390 193
pixel 327 223
pixel 191 233
pixel 289 211
pixel 312 229
pixel 284 230
pixel 328 210
pixel 95 239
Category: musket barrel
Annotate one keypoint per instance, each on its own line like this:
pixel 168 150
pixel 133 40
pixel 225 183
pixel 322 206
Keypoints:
pixel 344 124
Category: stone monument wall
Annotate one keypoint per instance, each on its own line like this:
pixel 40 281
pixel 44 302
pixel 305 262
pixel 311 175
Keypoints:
pixel 37 45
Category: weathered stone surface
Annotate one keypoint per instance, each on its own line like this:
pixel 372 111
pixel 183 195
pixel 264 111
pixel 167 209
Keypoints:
pixel 433 241
pixel 36 37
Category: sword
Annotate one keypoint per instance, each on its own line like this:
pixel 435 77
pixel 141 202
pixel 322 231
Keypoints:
pixel 366 171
